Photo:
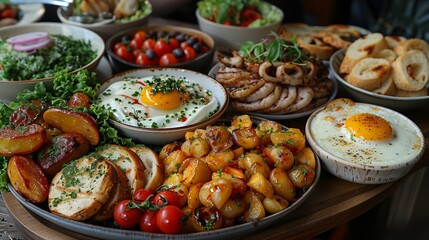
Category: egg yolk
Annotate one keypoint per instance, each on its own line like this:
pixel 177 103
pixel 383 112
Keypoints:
pixel 368 127
pixel 161 100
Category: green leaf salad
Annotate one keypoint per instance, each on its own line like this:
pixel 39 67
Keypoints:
pixel 63 53
pixel 245 13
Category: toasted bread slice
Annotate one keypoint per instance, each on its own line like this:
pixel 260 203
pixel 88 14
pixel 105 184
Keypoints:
pixel 120 191
pixel 410 71
pixel 369 73
pixel 128 161
pixel 154 168
pixel 362 48
pixel 81 188
pixel 412 44
pixel 388 87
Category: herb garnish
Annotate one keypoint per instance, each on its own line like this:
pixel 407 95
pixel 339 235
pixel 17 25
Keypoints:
pixel 273 49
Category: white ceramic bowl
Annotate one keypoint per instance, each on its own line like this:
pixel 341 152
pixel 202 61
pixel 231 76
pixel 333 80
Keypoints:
pixel 364 170
pixel 229 38
pixel 362 95
pixel 161 136
pixel 105 30
pixel 9 89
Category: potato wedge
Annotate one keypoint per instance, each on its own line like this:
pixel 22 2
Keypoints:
pixel 69 121
pixel 61 150
pixel 21 140
pixel 28 178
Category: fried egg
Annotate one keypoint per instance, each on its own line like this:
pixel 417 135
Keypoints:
pixel 158 101
pixel 365 134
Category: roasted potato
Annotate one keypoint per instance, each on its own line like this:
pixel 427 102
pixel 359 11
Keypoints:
pixel 28 179
pixel 21 140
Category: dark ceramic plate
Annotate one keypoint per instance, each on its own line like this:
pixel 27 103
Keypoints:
pixel 278 117
pixel 106 232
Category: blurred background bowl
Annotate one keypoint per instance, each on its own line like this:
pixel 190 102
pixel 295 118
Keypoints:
pixel 162 136
pixel 201 63
pixel 10 89
pixel 105 30
pixel 229 38
pixel 161 8
pixel 362 95
pixel 361 169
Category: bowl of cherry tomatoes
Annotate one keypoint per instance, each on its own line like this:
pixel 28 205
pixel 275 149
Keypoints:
pixel 161 46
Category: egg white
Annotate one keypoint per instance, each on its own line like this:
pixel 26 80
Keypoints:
pixel 328 130
pixel 123 98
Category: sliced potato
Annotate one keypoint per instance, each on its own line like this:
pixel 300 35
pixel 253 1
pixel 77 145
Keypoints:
pixel 69 121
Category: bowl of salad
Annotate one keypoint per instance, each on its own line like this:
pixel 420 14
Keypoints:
pixel 233 22
pixel 106 17
pixel 36 52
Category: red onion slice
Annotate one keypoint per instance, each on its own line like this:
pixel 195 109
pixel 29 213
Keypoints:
pixel 30 47
pixel 28 38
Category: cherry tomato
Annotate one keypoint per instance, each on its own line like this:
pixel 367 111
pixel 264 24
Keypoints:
pixel 227 22
pixel 141 195
pixel 118 45
pixel 166 196
pixel 189 53
pixel 137 52
pixel 123 53
pixel 184 44
pixel 142 59
pixel 136 43
pixel 174 43
pixel 249 15
pixel 169 219
pixel 168 59
pixel 140 35
pixel 125 216
pixel 148 222
pixel 7 13
pixel 162 47
pixel 149 43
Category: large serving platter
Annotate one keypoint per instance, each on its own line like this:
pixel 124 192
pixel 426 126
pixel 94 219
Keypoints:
pixel 279 117
pixel 106 231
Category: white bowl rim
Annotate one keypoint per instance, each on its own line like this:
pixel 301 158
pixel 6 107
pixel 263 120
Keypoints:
pixel 386 97
pixel 240 27
pixel 404 162
pixel 47 25
pixel 222 108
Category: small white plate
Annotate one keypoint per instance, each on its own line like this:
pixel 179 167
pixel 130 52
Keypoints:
pixel 277 117
pixel 31 13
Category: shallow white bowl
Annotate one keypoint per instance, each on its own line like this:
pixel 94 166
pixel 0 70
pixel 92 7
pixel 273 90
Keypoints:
pixel 229 38
pixel 104 30
pixel 161 136
pixel 9 89
pixel 365 172
pixel 362 95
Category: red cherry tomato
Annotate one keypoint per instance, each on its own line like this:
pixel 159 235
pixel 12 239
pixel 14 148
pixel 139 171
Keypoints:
pixel 168 59
pixel 148 222
pixel 123 53
pixel 149 43
pixel 125 216
pixel 136 43
pixel 7 13
pixel 169 197
pixel 142 59
pixel 140 35
pixel 162 47
pixel 169 219
pixel 141 195
pixel 184 44
pixel 118 45
pixel 174 43
pixel 189 53
pixel 249 15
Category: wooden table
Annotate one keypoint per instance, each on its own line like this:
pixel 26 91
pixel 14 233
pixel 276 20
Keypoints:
pixel 333 202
